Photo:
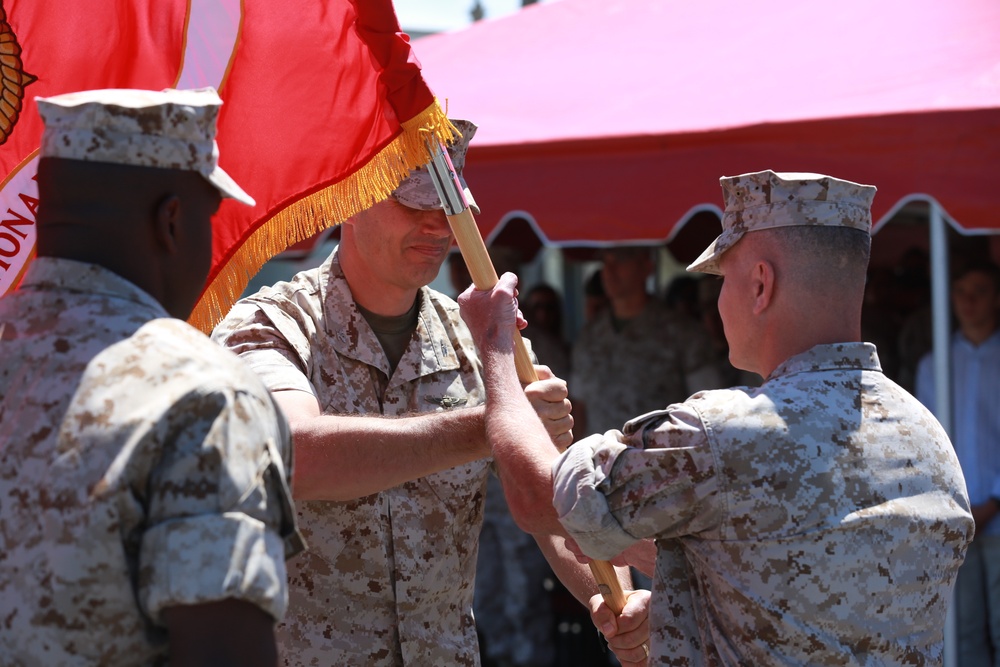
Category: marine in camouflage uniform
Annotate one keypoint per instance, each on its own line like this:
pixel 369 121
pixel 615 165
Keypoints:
pixel 388 578
pixel 140 463
pixel 142 468
pixel 382 386
pixel 819 519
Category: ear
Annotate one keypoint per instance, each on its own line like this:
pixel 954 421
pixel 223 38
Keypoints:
pixel 166 222
pixel 762 284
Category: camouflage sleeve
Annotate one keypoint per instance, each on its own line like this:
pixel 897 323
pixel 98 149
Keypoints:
pixel 217 506
pixel 270 341
pixel 658 480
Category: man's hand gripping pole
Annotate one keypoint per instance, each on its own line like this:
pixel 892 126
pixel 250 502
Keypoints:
pixel 484 275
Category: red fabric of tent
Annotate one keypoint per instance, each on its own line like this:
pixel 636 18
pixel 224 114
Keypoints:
pixel 324 112
pixel 608 121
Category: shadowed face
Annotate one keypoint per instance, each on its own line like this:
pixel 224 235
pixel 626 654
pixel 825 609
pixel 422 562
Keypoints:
pixel 401 247
pixel 543 309
pixel 199 202
pixel 624 271
pixel 976 301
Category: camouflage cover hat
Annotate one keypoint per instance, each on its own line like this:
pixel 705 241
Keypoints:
pixel 765 199
pixel 417 190
pixel 169 129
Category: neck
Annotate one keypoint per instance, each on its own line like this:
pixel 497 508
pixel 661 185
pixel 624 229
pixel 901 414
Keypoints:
pixel 113 249
pixel 369 290
pixel 627 307
pixel 795 338
pixel 978 335
pixel 801 321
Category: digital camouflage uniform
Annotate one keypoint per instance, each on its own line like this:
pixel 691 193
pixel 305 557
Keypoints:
pixel 819 519
pixel 656 359
pixel 388 579
pixel 141 467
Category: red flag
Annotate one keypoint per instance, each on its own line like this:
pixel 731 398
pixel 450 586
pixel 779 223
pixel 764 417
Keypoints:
pixel 324 109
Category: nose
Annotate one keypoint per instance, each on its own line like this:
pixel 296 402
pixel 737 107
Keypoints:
pixel 435 223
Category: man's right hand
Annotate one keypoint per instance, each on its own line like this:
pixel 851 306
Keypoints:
pixel 492 315
pixel 628 633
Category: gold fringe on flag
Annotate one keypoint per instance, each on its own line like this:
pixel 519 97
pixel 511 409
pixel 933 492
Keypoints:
pixel 321 210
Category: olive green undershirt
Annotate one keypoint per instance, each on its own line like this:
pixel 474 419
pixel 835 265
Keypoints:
pixel 393 331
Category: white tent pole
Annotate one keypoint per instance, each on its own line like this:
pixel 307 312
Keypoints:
pixel 941 317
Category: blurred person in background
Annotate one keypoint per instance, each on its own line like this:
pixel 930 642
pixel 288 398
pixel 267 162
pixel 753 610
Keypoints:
pixel 975 384
pixel 635 336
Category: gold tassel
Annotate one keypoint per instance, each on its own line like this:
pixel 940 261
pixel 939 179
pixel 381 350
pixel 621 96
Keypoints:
pixel 321 210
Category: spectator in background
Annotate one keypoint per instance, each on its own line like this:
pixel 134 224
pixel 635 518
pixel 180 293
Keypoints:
pixel 975 382
pixel 595 301
pixel 681 296
pixel 709 289
pixel 542 308
pixel 576 645
pixel 880 317
pixel 636 336
pixel 458 272
pixel 512 605
pixel 912 300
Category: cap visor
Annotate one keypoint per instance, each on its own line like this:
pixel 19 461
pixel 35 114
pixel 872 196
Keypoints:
pixel 708 261
pixel 228 187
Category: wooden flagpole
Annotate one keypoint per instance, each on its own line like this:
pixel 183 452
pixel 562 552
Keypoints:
pixel 484 275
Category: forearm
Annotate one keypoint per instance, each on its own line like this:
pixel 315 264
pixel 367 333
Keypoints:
pixel 351 456
pixel 575 576
pixel 521 447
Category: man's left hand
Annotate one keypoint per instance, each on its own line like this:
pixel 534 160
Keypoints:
pixel 550 398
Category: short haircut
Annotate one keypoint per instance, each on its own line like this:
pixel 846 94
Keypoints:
pixel 823 256
pixel 978 266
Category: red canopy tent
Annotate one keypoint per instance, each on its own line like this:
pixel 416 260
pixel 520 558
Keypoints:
pixel 606 121
pixel 610 121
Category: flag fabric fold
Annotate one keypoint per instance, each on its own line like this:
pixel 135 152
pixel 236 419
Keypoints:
pixel 324 110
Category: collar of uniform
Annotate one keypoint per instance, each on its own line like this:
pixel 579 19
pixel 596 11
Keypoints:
pixel 353 337
pixel 834 357
pixel 644 321
pixel 436 352
pixel 57 274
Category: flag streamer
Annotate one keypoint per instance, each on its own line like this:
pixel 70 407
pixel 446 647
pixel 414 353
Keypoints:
pixel 321 210
pixel 324 111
